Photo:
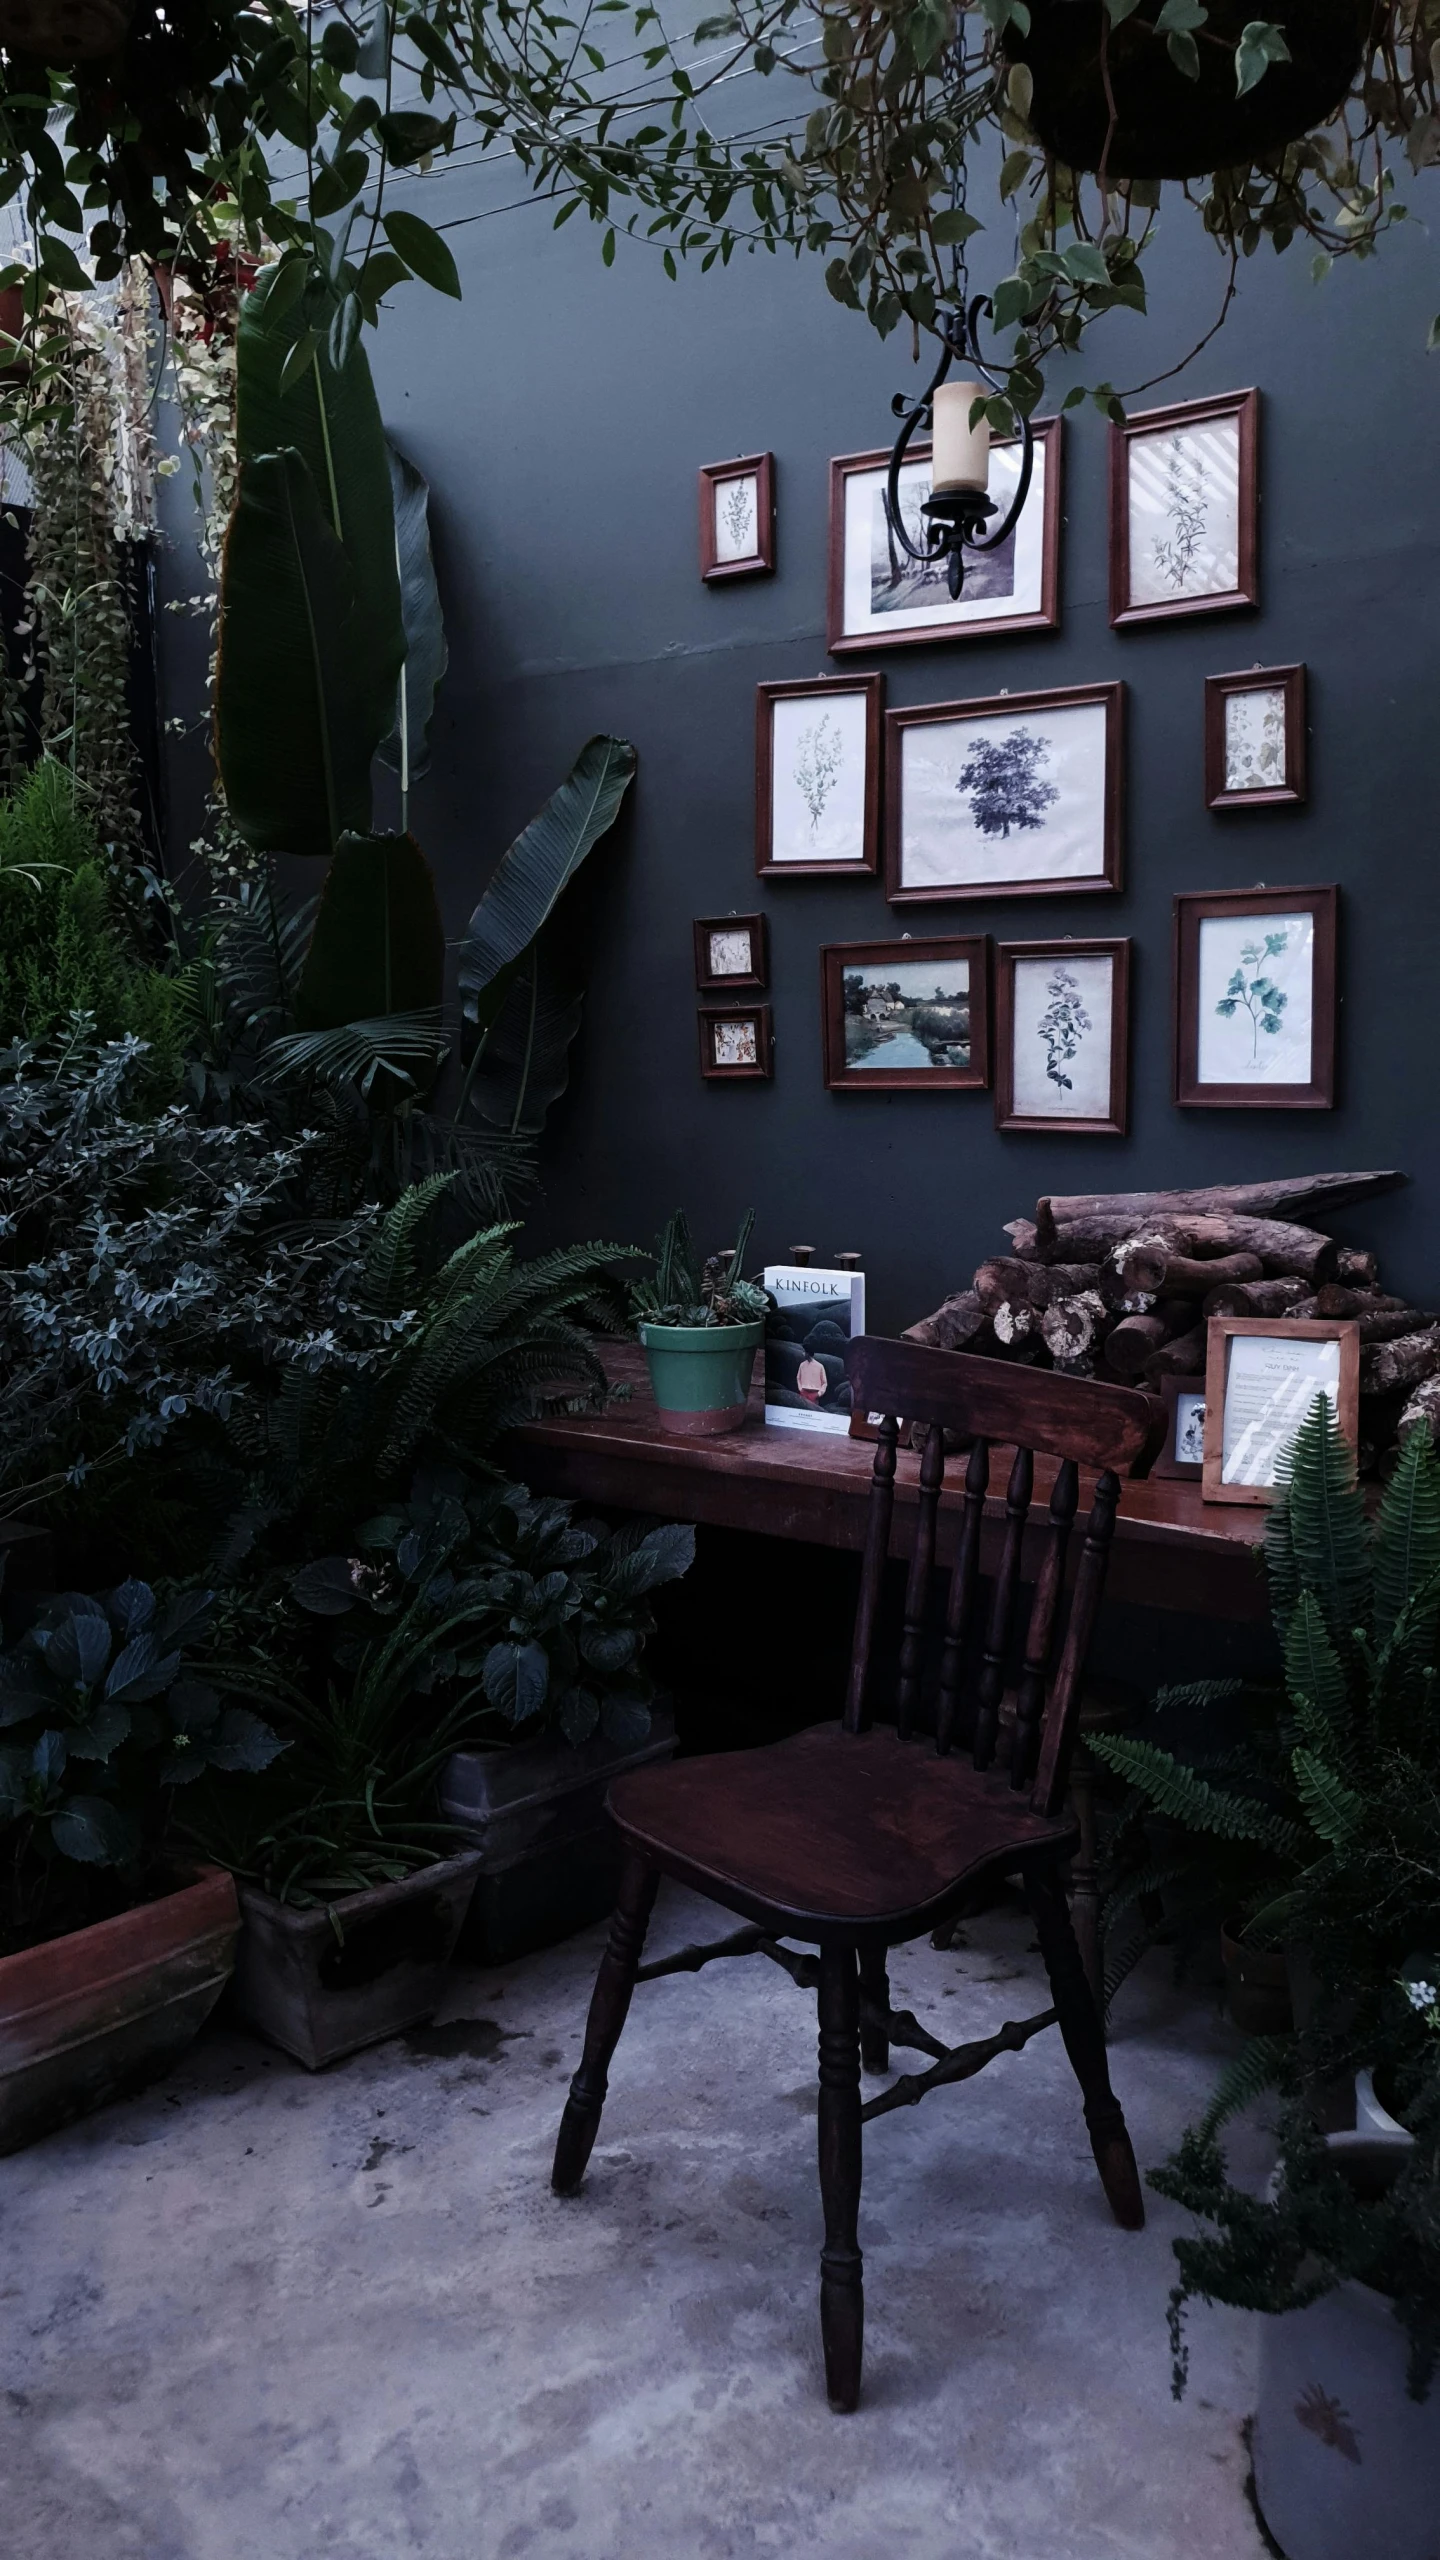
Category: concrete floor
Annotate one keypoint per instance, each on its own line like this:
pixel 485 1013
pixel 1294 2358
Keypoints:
pixel 256 2315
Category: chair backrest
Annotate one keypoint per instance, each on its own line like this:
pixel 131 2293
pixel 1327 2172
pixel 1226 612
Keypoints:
pixel 1077 1421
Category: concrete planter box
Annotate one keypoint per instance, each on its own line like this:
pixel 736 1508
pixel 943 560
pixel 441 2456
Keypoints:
pixel 321 1984
pixel 96 2014
pixel 547 1852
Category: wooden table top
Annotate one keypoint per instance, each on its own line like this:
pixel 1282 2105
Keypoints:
pixel 1172 1551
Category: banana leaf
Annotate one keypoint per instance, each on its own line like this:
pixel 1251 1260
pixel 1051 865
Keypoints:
pixel 378 947
pixel 294 731
pixel 529 880
pixel 407 748
pixel 525 1066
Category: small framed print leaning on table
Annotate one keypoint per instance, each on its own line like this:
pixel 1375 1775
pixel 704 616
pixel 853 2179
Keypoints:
pixel 1183 1452
pixel 906 1017
pixel 817 777
pixel 1183 522
pixel 1019 795
pixel 882 599
pixel 737 1043
pixel 732 953
pixel 1062 1025
pixel 1261 1379
pixel 1255 739
pixel 1255 999
pixel 737 518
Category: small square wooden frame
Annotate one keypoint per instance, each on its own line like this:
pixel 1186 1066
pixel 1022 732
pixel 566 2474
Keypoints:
pixel 1244 405
pixel 1191 908
pixel 1186 1470
pixel 1220 1331
pixel 999 706
pixel 1057 1125
pixel 1218 690
pixel 834 959
pixel 1048 433
pixel 710 1016
pixel 761 562
pixel 821 687
pixel 740 981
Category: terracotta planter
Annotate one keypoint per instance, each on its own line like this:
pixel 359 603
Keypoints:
pixel 1169 126
pixel 65 31
pixel 96 2014
pixel 1257 1988
pixel 321 1984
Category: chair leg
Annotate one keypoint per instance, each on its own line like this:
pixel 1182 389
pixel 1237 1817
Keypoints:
pixel 609 2004
pixel 842 2297
pixel 874 1987
pixel 1085 1877
pixel 1085 2043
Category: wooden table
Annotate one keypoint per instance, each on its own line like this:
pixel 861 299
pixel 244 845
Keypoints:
pixel 1171 1551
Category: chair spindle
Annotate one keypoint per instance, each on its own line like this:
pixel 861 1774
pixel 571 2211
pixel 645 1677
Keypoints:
pixel 961 1603
pixel 1002 1608
pixel 1040 1637
pixel 917 1586
pixel 1048 1794
pixel 872 1574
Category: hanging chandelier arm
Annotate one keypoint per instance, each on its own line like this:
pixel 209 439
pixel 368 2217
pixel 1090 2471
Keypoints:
pixel 1002 531
pixel 912 412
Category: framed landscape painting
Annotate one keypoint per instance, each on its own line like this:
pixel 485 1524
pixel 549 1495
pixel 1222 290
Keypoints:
pixel 737 518
pixel 1183 527
pixel 1062 1019
pixel 906 1017
pixel 1015 796
pixel 1255 739
pixel 1255 998
pixel 817 777
pixel 879 598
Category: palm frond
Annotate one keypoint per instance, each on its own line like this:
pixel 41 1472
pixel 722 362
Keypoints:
pixel 410 1047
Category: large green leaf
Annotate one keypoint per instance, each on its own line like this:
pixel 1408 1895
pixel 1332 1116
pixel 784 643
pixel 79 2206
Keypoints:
pixel 526 1062
pixel 294 735
pixel 529 880
pixel 378 947
pixel 407 748
pixel 329 414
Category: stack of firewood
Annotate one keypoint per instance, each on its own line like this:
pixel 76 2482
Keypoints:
pixel 1119 1285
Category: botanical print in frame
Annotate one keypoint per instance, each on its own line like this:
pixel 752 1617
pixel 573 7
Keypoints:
pixel 737 517
pixel 1255 998
pixel 1063 1030
pixel 736 1041
pixel 909 1016
pixel 1183 510
pixel 731 953
pixel 1261 1379
pixel 817 776
pixel 1255 739
pixel 879 598
pixel 1014 796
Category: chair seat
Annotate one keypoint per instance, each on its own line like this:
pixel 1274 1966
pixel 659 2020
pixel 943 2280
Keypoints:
pixel 832 1828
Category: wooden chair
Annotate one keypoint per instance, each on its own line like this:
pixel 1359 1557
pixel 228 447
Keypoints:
pixel 856 1837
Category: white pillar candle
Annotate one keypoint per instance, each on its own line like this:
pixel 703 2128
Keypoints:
pixel 961 455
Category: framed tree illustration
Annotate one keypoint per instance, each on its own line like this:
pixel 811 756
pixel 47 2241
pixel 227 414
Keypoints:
pixel 817 777
pixel 1255 739
pixel 1062 1031
pixel 879 598
pixel 1016 796
pixel 1255 999
pixel 1183 521
pixel 737 518
pixel 906 1017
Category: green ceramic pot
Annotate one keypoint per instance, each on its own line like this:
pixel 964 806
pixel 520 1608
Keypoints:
pixel 701 1373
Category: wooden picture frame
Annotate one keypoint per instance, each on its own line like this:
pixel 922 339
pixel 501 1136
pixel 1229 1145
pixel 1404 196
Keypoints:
pixel 1276 759
pixel 797 780
pixel 1268 1390
pixel 710 930
pixel 1037 991
pixel 754 1068
pixel 1179 1397
pixel 899 1020
pixel 1091 762
pixel 1032 557
pixel 1171 490
pixel 720 483
pixel 1206 989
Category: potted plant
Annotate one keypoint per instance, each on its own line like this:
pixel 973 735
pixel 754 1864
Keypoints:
pixel 113 1947
pixel 701 1326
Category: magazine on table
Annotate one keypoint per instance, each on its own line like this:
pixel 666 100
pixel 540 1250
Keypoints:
pixel 815 1317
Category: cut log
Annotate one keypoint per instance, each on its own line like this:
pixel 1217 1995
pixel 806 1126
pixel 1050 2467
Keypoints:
pixel 1071 1326
pixel 1283 1249
pixel 1130 1343
pixel 958 1325
pixel 1423 1407
pixel 1400 1364
pixel 1186 1276
pixel 1052 1280
pixel 1133 1268
pixel 1003 1276
pixel 1357 1270
pixel 1297 1196
pixel 1393 1323
pixel 1182 1358
pixel 1012 1319
pixel 1255 1298
pixel 1335 1299
pixel 1021 1232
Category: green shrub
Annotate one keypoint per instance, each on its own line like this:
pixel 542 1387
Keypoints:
pixel 64 948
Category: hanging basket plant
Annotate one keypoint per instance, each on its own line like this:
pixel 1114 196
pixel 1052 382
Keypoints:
pixel 1158 95
pixel 64 31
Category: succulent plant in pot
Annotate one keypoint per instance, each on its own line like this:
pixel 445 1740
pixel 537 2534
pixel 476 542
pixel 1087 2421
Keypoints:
pixel 701 1325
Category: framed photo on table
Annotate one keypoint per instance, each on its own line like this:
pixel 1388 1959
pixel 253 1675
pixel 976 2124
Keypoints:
pixel 1183 1453
pixel 880 598
pixel 737 518
pixel 1255 739
pixel 1062 1019
pixel 732 953
pixel 1015 796
pixel 817 777
pixel 1183 514
pixel 737 1043
pixel 1261 1379
pixel 906 1017
pixel 1255 999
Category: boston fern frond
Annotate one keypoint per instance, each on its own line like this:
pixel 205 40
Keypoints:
pixel 1315 1674
pixel 1316 1535
pixel 1405 1556
pixel 1261 2067
pixel 1181 1796
pixel 1335 1811
pixel 390 1274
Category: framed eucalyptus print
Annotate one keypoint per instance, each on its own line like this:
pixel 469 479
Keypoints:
pixel 731 953
pixel 737 518
pixel 1183 530
pixel 817 777
pixel 1062 1024
pixel 1255 739
pixel 1255 999
pixel 879 598
pixel 1015 796
pixel 906 1017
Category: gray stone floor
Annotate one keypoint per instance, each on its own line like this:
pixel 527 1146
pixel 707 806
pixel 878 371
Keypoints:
pixel 256 2315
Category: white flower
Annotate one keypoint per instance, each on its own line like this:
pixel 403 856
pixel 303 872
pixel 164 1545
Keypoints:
pixel 1422 1995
